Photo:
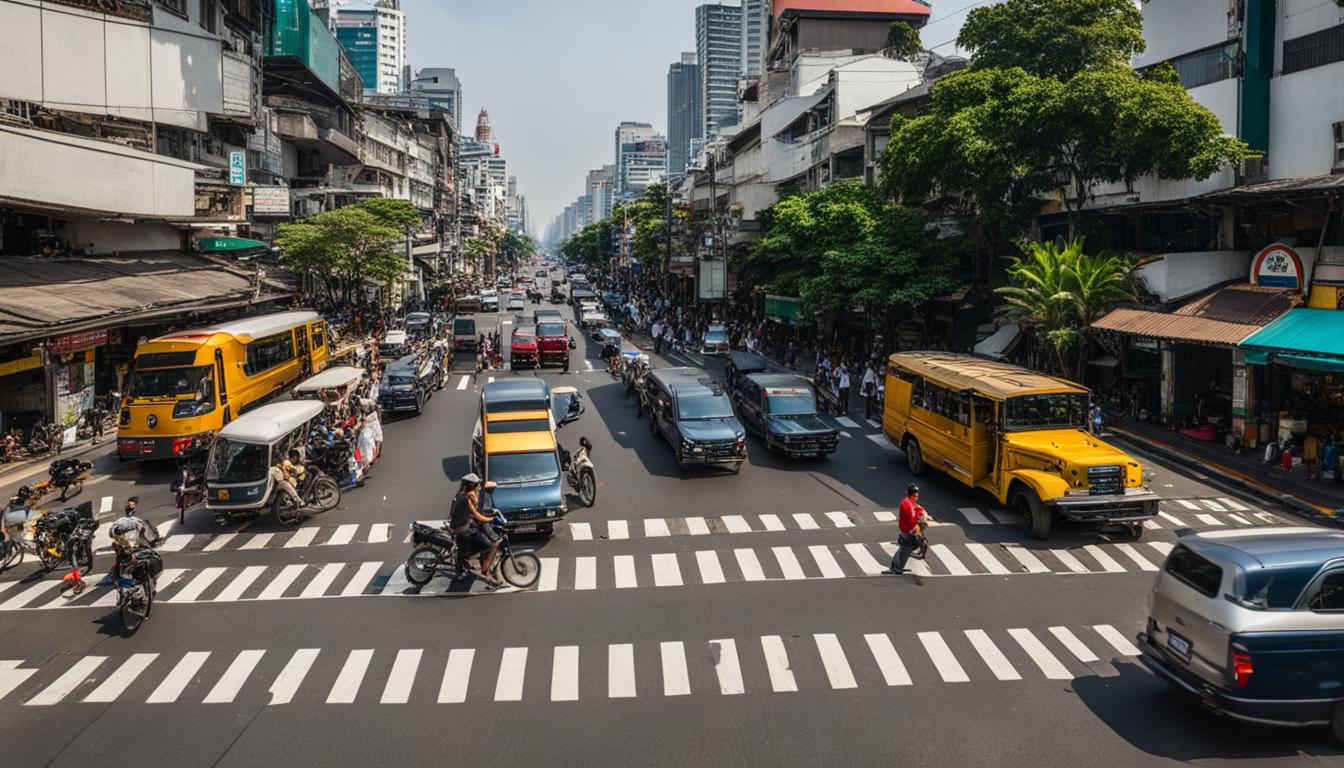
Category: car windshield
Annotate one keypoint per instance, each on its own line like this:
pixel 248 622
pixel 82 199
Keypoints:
pixel 789 402
pixel 464 328
pixel 235 462
pixel 523 467
pixel 551 329
pixel 173 382
pixel 703 406
pixel 1067 410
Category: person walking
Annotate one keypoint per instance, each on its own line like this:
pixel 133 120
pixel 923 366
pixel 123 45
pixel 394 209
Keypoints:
pixel 911 521
pixel 657 332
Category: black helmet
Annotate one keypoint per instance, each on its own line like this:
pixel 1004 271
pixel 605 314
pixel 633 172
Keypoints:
pixel 24 493
pixel 583 441
pixel 911 489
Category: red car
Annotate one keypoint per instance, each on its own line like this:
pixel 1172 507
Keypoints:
pixel 554 343
pixel 523 349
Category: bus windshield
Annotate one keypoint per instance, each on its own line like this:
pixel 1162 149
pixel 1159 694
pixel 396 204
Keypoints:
pixel 172 382
pixel 1065 410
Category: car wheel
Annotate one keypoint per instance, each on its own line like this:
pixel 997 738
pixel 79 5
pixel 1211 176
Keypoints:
pixel 1039 519
pixel 914 456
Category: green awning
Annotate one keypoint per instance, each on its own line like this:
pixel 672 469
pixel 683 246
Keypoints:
pixel 782 308
pixel 1303 338
pixel 224 244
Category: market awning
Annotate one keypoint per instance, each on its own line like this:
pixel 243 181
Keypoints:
pixel 1303 338
pixel 229 244
pixel 1223 317
pixel 1000 343
pixel 783 309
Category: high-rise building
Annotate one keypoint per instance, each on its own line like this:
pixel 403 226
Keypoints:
pixel 601 192
pixel 374 38
pixel 754 30
pixel 684 113
pixel 442 90
pixel 483 129
pixel 718 48
pixel 641 158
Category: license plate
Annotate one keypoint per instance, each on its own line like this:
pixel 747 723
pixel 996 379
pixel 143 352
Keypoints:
pixel 222 495
pixel 524 529
pixel 1178 644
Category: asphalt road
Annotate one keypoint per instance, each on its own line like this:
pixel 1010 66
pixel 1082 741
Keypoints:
pixel 687 619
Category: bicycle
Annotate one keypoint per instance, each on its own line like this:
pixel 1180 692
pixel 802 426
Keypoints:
pixel 436 554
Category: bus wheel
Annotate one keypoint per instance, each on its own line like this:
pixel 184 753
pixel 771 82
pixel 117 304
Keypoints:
pixel 914 456
pixel 1039 519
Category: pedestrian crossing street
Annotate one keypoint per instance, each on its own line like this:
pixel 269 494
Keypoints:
pixel 786 663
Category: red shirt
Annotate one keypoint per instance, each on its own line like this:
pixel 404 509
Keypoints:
pixel 910 514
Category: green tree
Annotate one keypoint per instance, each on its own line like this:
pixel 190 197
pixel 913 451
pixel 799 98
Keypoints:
pixel 392 213
pixel 342 248
pixel 903 41
pixel 1053 38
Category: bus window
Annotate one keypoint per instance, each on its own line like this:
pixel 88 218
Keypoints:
pixel 269 352
pixel 984 412
pixel 319 336
pixel 960 410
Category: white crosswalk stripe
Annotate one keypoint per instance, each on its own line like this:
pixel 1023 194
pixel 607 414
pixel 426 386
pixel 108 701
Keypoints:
pixel 697 526
pixel 621 671
pixel 1174 520
pixel 585 573
pixel 711 572
pixel 772 523
pixel 736 524
pixel 749 565
pixel 1214 505
pixel 120 680
pixel 196 586
pixel 676 678
pixel 625 572
pixel 888 661
pixel 954 565
pixel 67 683
pixel 620 529
pixel 788 563
pixel 296 669
pixel 1188 504
pixel 402 677
pixel 1208 519
pixel 826 563
pixel 987 559
pixel 992 656
pixel 974 516
pixel 1233 504
pixel 833 660
pixel 1133 554
pixel 1234 517
pixel 346 687
pixel 666 572
pixel 726 667
pixel 512 667
pixel 941 655
pixel 456 675
pixel 179 678
pixel 777 664
pixel 581 531
pixel 1118 641
pixel 1075 646
pixel 565 673
pixel 1108 563
pixel 343 535
pixel 656 526
pixel 1027 558
pixel 1049 665
pixel 233 679
pixel 1072 563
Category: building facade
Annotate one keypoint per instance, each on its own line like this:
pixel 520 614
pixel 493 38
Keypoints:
pixel 755 26
pixel 374 37
pixel 684 113
pixel 718 49
pixel 641 158
pixel 441 89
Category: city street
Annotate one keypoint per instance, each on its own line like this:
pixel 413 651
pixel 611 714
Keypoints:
pixel 686 619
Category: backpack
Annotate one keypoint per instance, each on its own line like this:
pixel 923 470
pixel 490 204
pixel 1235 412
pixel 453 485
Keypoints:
pixel 460 512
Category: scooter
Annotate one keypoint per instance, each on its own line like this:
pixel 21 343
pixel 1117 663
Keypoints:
pixel 580 474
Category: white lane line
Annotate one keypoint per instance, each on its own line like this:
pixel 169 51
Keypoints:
pixel 379 533
pixel 1211 504
pixel 1174 520
pixel 196 586
pixel 666 572
pixel 218 542
pixel 949 560
pixel 888 661
pixel 834 661
pixel 550 574
pixel 402 676
pixel 676 680
pixel 788 563
pixel 585 573
pixel 456 675
pixel 625 572
pixel 463 382
pixel 1004 517
pixel 258 541
pixel 825 561
pixel 276 589
pixel 1107 562
pixel 864 559
pixel 1161 546
pixel 179 678
pixel 175 543
pixel 736 524
pixel 974 516
pixel 512 667
pixel 656 526
pixel 324 579
pixel 1066 557
pixel 992 656
pixel 882 442
pixel 301 538
pixel 120 680
pixel 697 526
pixel 66 683
pixel 344 534
pixel 805 521
pixel 1049 665
pixel 1075 646
pixel 1238 519
pixel 1118 641
pixel 1133 554
pixel 1233 504
pixel 847 422
pixel 711 572
pixel 885 516
pixel 1209 520
pixel 771 522
pixel 233 679
pixel 291 677
pixel 749 564
pixel 947 665
pixel 620 671
pixel 581 531
pixel 360 581
pixel 726 667
pixel 12 677
pixel 1188 504
pixel 777 664
pixel 565 673
pixel 618 529
pixel 840 520
pixel 987 559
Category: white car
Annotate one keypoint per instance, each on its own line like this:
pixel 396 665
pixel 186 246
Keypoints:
pixel 516 302
pixel 591 316
pixel 489 300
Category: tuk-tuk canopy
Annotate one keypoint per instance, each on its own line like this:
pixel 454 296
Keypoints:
pixel 331 378
pixel 270 422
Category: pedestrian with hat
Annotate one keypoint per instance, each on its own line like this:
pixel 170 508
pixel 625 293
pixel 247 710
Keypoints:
pixel 911 520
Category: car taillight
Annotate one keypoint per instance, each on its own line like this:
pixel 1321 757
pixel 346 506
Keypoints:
pixel 1242 668
pixel 181 444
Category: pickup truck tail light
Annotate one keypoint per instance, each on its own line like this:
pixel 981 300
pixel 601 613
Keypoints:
pixel 1242 668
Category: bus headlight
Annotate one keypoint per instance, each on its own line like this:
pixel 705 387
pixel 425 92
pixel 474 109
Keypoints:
pixel 185 409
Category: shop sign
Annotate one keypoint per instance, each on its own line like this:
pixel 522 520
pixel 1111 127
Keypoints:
pixel 270 200
pixel 1277 266
pixel 237 168
pixel 73 342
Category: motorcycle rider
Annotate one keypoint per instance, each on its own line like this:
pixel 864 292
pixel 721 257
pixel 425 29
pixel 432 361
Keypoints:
pixel 16 514
pixel 286 476
pixel 122 529
pixel 473 529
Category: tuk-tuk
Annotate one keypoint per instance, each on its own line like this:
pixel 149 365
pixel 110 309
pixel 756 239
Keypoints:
pixel 566 405
pixel 332 387
pixel 237 472
pixel 610 341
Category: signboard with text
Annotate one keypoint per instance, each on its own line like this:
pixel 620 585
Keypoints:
pixel 237 168
pixel 1278 266
pixel 270 201
pixel 74 342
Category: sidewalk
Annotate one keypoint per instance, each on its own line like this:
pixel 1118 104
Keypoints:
pixel 1323 501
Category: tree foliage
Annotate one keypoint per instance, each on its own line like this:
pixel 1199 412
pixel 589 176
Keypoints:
pixel 343 248
pixel 1053 38
pixel 646 215
pixel 903 41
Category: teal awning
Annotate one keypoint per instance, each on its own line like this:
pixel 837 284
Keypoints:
pixel 1303 338
pixel 224 244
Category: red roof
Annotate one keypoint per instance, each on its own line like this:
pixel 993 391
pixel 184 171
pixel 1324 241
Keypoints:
pixel 879 7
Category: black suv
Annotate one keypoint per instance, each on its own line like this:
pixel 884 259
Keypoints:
pixel 693 413
pixel 407 384
pixel 782 409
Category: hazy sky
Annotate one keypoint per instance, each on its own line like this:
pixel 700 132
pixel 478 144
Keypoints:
pixel 558 75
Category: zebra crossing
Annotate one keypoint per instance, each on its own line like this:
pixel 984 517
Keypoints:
pixel 1220 512
pixel 731 666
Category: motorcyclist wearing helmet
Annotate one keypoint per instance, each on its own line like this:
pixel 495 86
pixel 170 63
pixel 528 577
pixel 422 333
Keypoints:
pixel 17 513
pixel 473 529
pixel 911 521
pixel 130 532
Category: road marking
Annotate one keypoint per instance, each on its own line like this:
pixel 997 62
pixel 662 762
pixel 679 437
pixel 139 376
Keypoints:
pixel 324 579
pixel 941 656
pixel 1069 561
pixel 1133 554
pixel 27 595
pixel 676 681
pixel 585 573
pixel 1026 558
pixel 66 683
pixel 771 522
pixel 656 526
pixel 617 529
pixel 119 681
pixel 1268 518
pixel 456 674
pixel 276 589
pixel 914 566
pixel 1004 517
pixel 11 676
pixel 1209 520
pixel 565 673
pixel 301 538
pixel 1233 504
pixel 847 422
pixel 588 365
pixel 710 570
pixel 360 581
pixel 987 559
pixel 344 535
pixel 749 565
pixel 864 559
pixel 736 524
pixel 1239 519
pixel 826 563
pixel 1107 562
pixel 550 574
pixel 1188 504
pixel 666 572
pixel 257 541
pixel 625 572
pixel 833 660
pixel 1211 504
pixel 291 677
pixel 884 516
pixel 1118 641
pixel 974 516
pixel 805 521
pixel 166 578
pixel 873 423
pixel 463 382
pixel 1075 646
pixel 882 442
pixel 490 380
pixel 196 586
pixel 840 520
pixel 380 532
pixel 726 667
pixel 788 563
pixel 1152 525
pixel 621 671
pixel 1161 546
pixel 581 531
pixel 888 661
pixel 697 526
pixel 402 676
pixel 1049 665
pixel 992 656
pixel 175 543
pixel 953 564
pixel 233 679
pixel 1174 520
pixel 512 667
pixel 217 543
pixel 177 680
pixel 777 664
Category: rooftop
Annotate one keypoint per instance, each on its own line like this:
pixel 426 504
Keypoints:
pixel 966 372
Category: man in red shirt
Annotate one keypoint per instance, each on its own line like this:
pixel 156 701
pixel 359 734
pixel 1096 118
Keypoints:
pixel 911 521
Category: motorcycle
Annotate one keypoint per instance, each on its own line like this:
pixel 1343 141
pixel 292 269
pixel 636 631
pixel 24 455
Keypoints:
pixel 44 440
pixel 91 425
pixel 633 373
pixel 333 458
pixel 580 474
pixel 136 582
pixel 435 554
pixel 67 474
pixel 66 535
pixel 189 487
pixel 318 492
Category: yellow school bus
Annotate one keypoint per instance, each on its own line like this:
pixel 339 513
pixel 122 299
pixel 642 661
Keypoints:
pixel 1019 435
pixel 187 384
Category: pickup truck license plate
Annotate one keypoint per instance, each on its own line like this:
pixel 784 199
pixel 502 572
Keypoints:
pixel 1178 644
pixel 524 529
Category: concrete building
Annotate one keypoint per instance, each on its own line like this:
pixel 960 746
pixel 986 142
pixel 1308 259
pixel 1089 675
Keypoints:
pixel 374 37
pixel 755 27
pixel 600 193
pixel 442 90
pixel 684 109
pixel 641 158
pixel 718 49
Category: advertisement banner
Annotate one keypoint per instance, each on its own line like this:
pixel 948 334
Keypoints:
pixel 712 284
pixel 237 168
pixel 73 342
pixel 270 201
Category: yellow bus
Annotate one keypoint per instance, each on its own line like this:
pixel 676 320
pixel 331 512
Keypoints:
pixel 185 385
pixel 1019 435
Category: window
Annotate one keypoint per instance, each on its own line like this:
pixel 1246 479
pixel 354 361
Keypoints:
pixel 170 382
pixel 1194 571
pixel 1330 597
pixel 1065 410
pixel 1314 50
pixel 232 462
pixel 1206 66
pixel 269 352
pixel 319 336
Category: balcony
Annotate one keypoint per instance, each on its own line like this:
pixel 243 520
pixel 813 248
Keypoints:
pixel 303 131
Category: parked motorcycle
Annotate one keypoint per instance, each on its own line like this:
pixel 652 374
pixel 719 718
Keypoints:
pixel 579 472
pixel 66 535
pixel 44 440
pixel 69 475
pixel 436 554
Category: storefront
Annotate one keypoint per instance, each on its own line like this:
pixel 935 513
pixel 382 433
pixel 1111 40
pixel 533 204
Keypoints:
pixel 1300 360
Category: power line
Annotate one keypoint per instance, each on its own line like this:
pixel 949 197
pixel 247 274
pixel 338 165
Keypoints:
pixel 950 15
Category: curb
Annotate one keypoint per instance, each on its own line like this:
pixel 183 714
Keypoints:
pixel 1316 512
pixel 79 449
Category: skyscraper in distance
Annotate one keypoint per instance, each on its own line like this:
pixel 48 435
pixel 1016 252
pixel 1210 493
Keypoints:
pixel 718 49
pixel 685 118
pixel 374 37
pixel 753 40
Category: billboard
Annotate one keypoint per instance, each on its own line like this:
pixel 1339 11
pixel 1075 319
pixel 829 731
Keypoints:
pixel 270 201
